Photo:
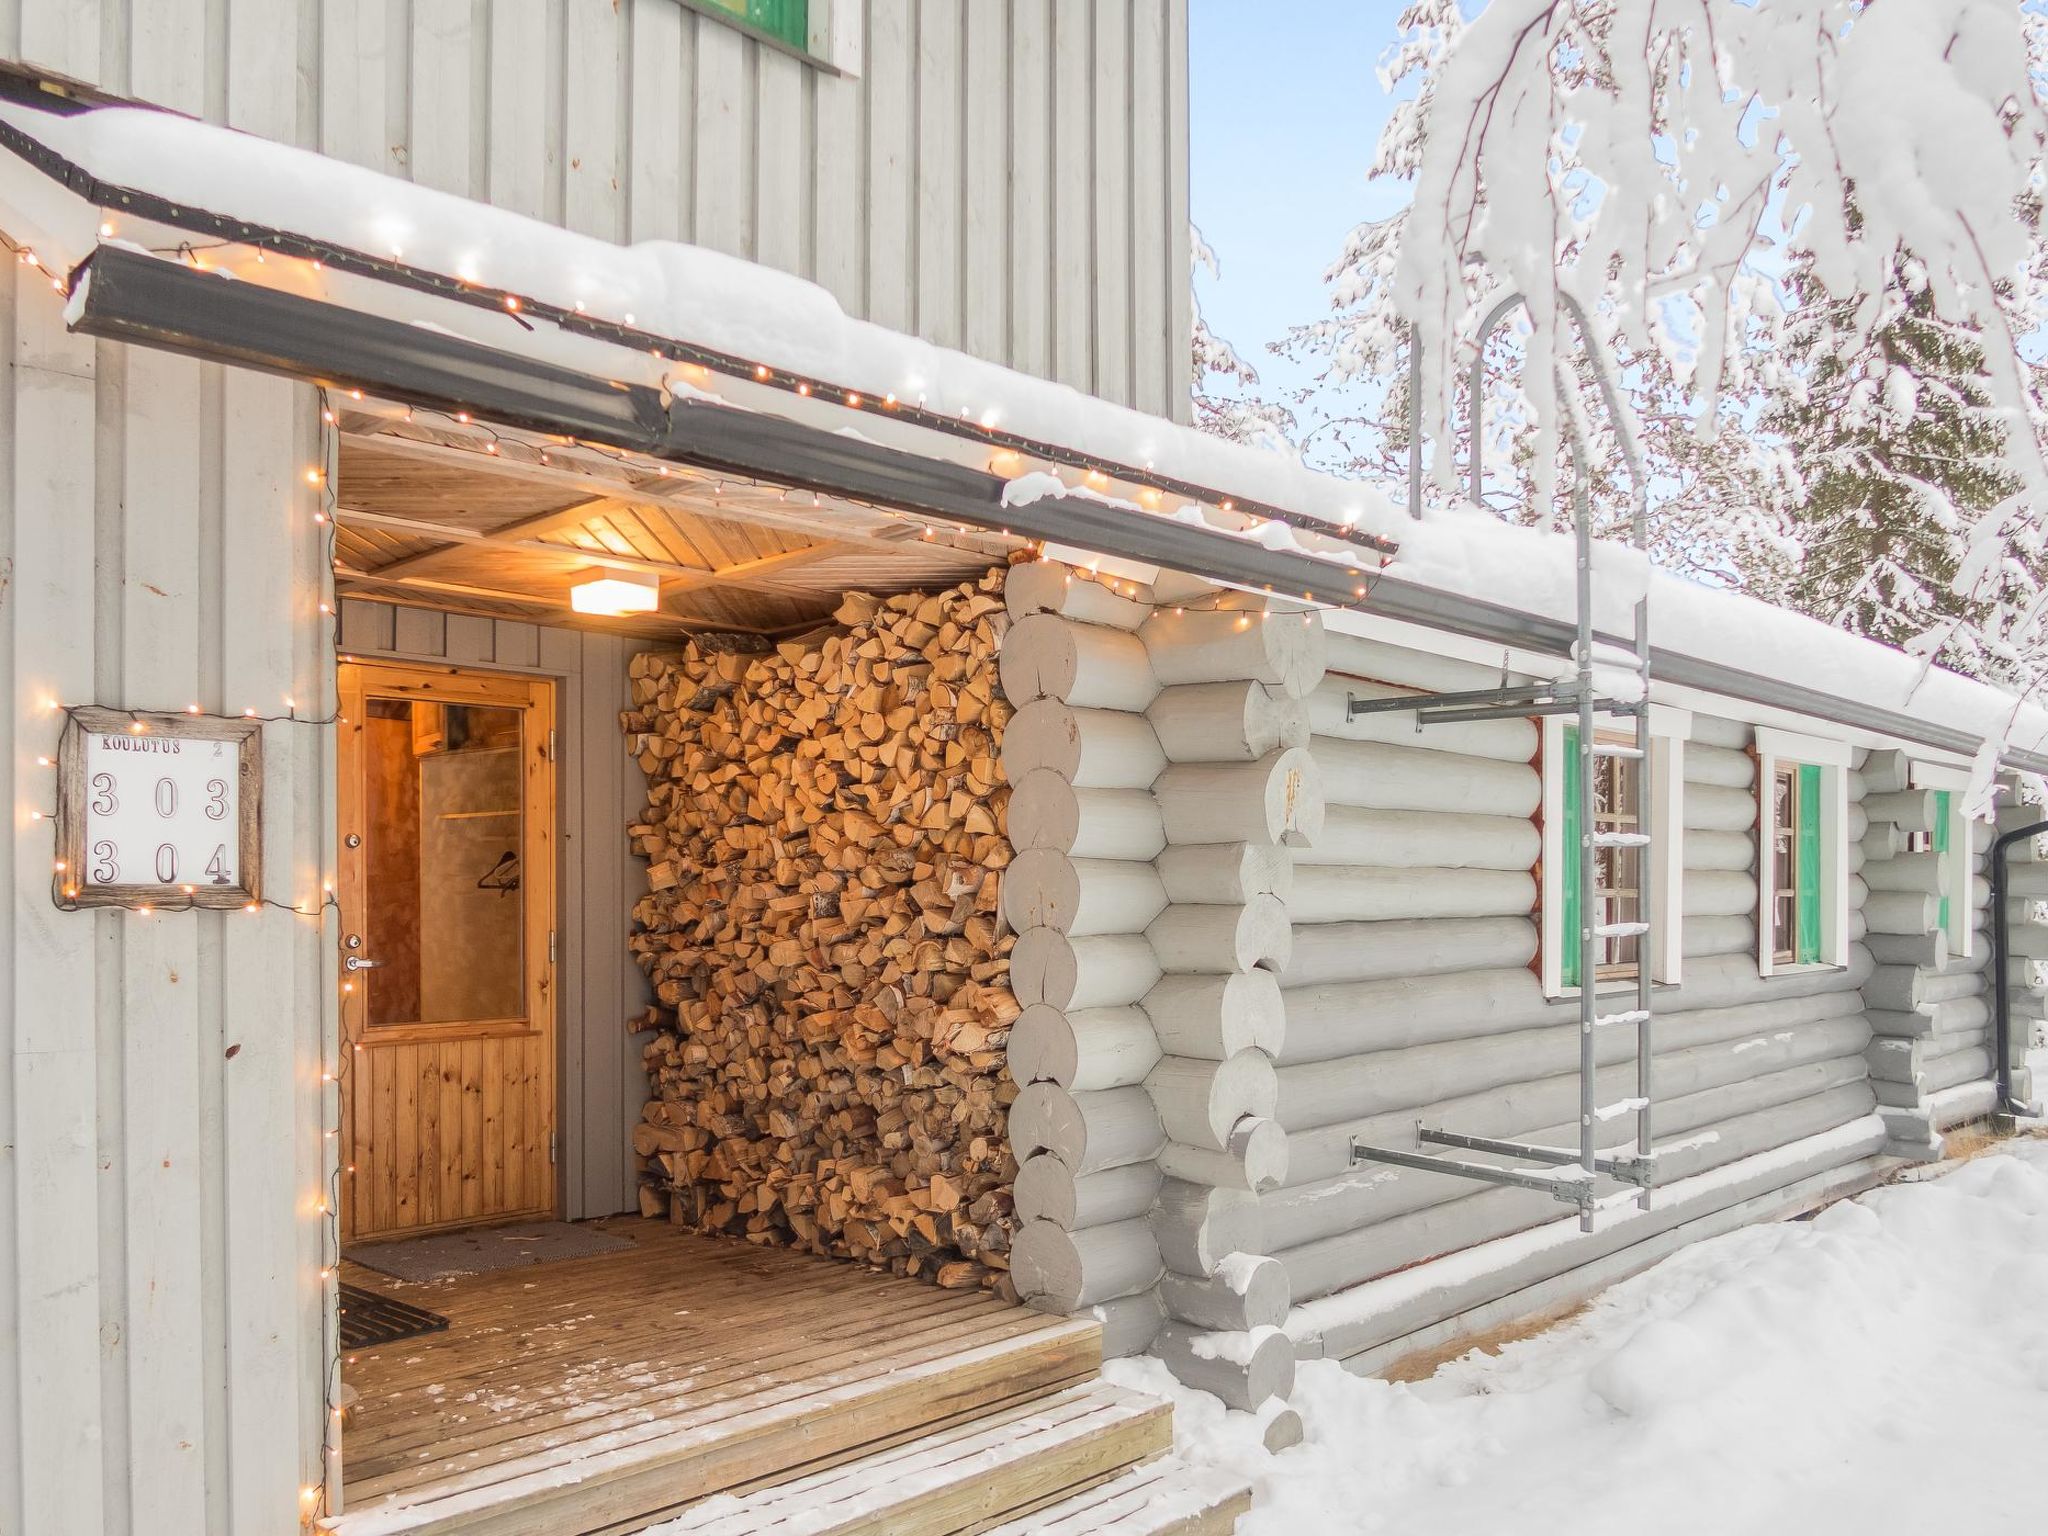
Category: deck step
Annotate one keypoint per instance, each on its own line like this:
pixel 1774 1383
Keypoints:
pixel 958 1479
pixel 1162 1498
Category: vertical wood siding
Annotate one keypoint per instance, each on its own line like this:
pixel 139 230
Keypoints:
pixel 160 1105
pixel 600 789
pixel 1007 176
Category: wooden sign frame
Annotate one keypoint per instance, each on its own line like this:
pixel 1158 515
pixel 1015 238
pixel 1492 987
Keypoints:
pixel 69 885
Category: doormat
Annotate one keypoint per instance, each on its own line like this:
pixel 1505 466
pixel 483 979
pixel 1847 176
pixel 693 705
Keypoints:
pixel 369 1318
pixel 447 1255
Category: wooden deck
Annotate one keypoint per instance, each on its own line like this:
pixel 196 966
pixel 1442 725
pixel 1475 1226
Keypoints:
pixel 592 1394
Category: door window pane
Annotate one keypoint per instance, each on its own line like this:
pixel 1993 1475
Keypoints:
pixel 445 917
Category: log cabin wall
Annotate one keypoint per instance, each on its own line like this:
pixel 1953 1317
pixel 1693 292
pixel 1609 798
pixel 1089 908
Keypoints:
pixel 1412 996
pixel 823 829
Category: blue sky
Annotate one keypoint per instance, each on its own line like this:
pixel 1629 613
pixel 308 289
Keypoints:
pixel 1284 110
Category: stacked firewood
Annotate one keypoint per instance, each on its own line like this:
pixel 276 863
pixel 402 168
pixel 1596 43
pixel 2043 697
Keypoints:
pixel 825 836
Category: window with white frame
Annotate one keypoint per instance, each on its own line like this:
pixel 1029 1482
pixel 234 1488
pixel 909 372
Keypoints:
pixel 1802 852
pixel 1624 788
pixel 1949 832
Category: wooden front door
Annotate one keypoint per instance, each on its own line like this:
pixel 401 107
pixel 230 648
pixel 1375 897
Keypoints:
pixel 447 803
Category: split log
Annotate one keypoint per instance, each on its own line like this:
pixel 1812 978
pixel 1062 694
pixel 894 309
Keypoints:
pixel 1046 811
pixel 1208 940
pixel 1089 748
pixel 1081 898
pixel 1201 1102
pixel 1226 874
pixel 1084 1050
pixel 1911 809
pixel 1226 722
pixel 1047 586
pixel 1214 1017
pixel 1061 1271
pixel 1049 1190
pixel 1085 665
pixel 1255 1158
pixel 1086 1131
pixel 1212 645
pixel 1100 971
pixel 1276 800
pixel 1244 1369
pixel 1199 1227
pixel 1247 1291
pixel 1129 1323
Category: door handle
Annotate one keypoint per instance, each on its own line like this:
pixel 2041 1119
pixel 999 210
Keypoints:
pixel 358 963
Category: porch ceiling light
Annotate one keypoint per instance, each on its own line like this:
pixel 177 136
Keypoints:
pixel 616 592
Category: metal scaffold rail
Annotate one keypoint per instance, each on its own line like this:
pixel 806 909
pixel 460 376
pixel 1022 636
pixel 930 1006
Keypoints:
pixel 1588 696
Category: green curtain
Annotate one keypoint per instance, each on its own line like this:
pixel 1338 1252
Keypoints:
pixel 1807 847
pixel 1941 816
pixel 1568 930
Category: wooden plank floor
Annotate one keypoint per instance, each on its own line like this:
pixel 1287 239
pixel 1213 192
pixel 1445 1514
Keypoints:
pixel 653 1376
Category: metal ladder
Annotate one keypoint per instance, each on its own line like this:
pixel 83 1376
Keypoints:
pixel 1569 1175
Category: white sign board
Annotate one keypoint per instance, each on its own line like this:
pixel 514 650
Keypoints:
pixel 158 810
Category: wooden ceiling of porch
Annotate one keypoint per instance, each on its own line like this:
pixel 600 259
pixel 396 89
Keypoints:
pixel 458 515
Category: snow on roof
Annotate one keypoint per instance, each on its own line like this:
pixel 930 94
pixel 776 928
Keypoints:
pixel 715 301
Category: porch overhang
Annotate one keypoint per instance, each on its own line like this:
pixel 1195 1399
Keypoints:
pixel 308 306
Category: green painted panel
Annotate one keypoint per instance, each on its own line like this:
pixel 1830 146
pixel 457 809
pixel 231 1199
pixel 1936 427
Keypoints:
pixel 1807 838
pixel 1568 929
pixel 787 21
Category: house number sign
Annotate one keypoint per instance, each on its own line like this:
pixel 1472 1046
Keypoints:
pixel 159 810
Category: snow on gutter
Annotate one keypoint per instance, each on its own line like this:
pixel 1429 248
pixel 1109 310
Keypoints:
pixel 1467 574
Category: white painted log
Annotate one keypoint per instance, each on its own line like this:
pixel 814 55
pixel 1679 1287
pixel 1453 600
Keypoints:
pixel 1886 772
pixel 1048 966
pixel 1922 873
pixel 1213 1017
pixel 1219 939
pixel 1710 808
pixel 1089 748
pixel 1255 1158
pixel 1086 1131
pixel 2029 881
pixel 1511 741
pixel 1274 801
pixel 1085 1050
pixel 1381 951
pixel 1058 1271
pixel 1401 666
pixel 1704 936
pixel 1048 812
pixel 1912 809
pixel 1378 777
pixel 1723 767
pixel 1928 949
pixel 1198 645
pixel 1343 893
pixel 2028 941
pixel 1086 665
pixel 1883 841
pixel 1859 894
pixel 1857 826
pixel 1201 1102
pixel 1715 731
pixel 1907 912
pixel 1225 874
pixel 1907 988
pixel 1426 839
pixel 1247 1291
pixel 1044 888
pixel 1130 1324
pixel 1718 893
pixel 1244 1369
pixel 1965 1016
pixel 1048 586
pixel 1048 1190
pixel 1199 1226
pixel 1226 722
pixel 1720 850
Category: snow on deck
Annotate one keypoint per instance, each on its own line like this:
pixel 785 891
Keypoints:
pixel 1882 1367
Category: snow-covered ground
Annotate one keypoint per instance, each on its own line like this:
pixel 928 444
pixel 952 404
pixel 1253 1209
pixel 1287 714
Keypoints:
pixel 1882 1367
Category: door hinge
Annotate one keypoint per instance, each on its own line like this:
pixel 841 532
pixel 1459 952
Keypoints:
pixel 551 946
pixel 551 1147
pixel 551 746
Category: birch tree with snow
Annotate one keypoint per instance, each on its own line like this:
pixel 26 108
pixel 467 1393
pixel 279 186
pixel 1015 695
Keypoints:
pixel 1755 208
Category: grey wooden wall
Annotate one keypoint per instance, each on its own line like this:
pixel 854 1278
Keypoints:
pixel 1005 176
pixel 602 1081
